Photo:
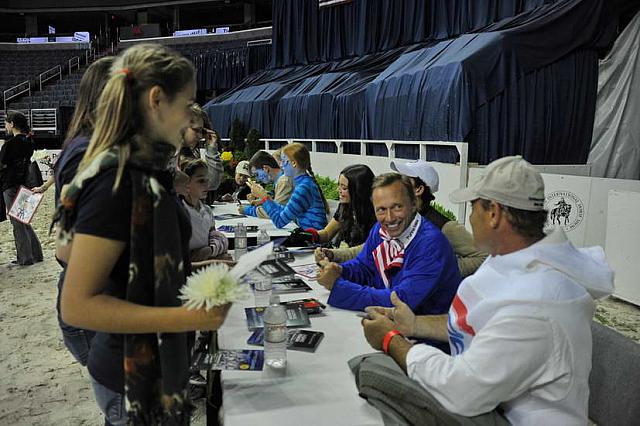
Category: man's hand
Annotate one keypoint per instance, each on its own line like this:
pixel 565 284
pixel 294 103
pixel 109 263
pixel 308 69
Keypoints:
pixel 227 198
pixel 323 254
pixel 376 328
pixel 39 189
pixel 401 314
pixel 329 273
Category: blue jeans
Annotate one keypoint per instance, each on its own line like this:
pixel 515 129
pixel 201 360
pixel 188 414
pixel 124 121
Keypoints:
pixel 77 340
pixel 112 404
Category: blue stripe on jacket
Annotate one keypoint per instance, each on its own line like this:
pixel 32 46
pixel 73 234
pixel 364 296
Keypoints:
pixel 305 206
pixel 427 281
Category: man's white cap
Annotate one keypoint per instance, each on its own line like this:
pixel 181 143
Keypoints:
pixel 511 181
pixel 243 168
pixel 420 169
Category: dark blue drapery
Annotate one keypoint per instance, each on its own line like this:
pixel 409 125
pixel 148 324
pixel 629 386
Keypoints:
pixel 506 76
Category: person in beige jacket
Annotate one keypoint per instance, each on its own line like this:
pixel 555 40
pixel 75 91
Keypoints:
pixel 425 182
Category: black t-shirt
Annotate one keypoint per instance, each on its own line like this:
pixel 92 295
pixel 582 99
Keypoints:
pixel 229 186
pixel 15 158
pixel 105 214
pixel 68 162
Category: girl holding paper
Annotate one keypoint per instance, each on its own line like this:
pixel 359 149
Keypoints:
pixel 15 158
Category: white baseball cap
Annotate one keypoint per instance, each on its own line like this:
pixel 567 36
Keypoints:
pixel 419 169
pixel 243 168
pixel 511 181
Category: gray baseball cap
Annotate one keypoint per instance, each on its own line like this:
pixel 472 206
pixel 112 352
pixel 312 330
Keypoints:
pixel 421 169
pixel 243 168
pixel 511 181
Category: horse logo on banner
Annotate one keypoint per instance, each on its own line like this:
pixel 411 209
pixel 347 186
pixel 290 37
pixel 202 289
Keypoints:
pixel 564 209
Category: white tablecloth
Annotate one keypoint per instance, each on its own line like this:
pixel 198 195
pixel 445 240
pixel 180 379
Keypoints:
pixel 316 388
pixel 266 224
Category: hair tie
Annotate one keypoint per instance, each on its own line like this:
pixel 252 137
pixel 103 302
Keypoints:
pixel 126 72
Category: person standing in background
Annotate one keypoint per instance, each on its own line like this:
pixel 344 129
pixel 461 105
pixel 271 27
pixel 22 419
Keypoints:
pixel 15 158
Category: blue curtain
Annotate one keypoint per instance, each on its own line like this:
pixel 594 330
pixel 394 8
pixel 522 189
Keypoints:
pixel 226 68
pixel 509 77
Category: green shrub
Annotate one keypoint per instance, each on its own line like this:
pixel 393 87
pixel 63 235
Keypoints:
pixel 446 213
pixel 253 144
pixel 329 187
pixel 237 135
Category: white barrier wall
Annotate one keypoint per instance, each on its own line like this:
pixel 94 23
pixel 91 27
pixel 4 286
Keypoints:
pixel 623 242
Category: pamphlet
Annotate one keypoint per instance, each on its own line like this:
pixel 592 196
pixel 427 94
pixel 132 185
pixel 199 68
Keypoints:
pixel 308 271
pixel 297 340
pixel 311 305
pixel 296 316
pixel 226 216
pixel 230 359
pixel 275 268
pixel 289 285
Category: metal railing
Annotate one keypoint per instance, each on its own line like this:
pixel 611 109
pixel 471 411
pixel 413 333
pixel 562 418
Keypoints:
pixel 15 91
pixel 49 74
pixel 90 55
pixel 44 119
pixel 74 62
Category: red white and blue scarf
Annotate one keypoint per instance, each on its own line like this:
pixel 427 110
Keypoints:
pixel 390 252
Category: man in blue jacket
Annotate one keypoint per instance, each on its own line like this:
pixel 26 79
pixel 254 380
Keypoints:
pixel 404 253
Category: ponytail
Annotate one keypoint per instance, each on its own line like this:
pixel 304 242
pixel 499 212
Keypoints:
pixel 115 109
pixel 324 200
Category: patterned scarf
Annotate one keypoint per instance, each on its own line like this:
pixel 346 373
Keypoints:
pixel 155 365
pixel 390 252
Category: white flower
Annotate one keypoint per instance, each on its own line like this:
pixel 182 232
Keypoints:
pixel 212 286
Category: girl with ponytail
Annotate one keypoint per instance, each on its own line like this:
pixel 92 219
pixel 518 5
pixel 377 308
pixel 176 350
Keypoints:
pixel 307 205
pixel 125 237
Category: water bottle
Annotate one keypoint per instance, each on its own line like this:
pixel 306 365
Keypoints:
pixel 240 241
pixel 262 237
pixel 275 334
pixel 262 289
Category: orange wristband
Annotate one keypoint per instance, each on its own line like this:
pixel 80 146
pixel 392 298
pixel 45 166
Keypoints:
pixel 264 200
pixel 387 340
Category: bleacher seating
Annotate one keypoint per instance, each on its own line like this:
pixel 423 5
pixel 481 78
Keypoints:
pixel 19 66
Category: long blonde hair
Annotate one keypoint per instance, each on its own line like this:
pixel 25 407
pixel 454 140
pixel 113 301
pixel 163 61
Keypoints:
pixel 118 115
pixel 300 154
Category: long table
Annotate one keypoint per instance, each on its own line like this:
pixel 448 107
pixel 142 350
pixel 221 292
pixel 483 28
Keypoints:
pixel 316 388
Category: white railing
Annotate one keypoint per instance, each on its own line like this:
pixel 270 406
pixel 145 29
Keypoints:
pixel 15 91
pixel 90 55
pixel 74 62
pixel 44 119
pixel 49 74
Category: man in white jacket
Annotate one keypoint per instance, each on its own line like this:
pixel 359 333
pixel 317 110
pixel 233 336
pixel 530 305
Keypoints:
pixel 519 329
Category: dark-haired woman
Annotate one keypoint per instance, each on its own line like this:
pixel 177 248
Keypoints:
pixel 354 217
pixel 15 158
